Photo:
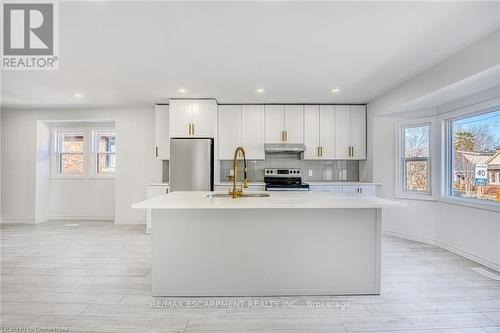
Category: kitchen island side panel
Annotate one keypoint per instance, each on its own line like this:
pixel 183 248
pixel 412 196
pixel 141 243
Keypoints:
pixel 221 252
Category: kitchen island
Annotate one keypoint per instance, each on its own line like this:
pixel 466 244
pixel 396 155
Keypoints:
pixel 290 243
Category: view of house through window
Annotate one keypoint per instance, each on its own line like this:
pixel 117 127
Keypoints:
pixel 105 152
pixel 476 156
pixel 71 153
pixel 416 158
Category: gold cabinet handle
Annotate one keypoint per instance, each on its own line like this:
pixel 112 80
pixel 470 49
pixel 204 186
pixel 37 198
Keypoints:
pixel 286 135
pixel 189 128
pixel 317 151
pixel 156 151
pixel 321 151
pixel 192 126
pixel 352 151
pixel 349 151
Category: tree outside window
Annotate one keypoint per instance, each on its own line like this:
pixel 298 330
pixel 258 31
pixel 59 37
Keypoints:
pixel 475 142
pixel 416 158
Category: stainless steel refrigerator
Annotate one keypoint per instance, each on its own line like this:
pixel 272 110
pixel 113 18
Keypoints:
pixel 191 165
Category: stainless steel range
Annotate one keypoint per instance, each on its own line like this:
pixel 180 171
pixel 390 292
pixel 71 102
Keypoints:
pixel 284 180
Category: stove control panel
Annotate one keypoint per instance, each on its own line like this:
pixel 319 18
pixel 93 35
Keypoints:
pixel 295 173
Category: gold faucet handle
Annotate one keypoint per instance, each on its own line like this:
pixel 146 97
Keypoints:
pixel 230 178
pixel 245 183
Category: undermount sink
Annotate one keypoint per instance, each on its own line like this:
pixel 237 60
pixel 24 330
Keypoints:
pixel 244 195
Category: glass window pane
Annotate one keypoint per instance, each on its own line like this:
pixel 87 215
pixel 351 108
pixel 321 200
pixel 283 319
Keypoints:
pixel 416 141
pixel 71 164
pixel 416 174
pixel 476 156
pixel 106 163
pixel 106 142
pixel 72 143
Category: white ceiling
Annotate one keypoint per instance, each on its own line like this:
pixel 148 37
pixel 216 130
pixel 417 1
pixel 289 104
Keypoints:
pixel 132 54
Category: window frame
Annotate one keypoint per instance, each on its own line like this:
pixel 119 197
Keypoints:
pixel 90 158
pixel 55 153
pixel 447 160
pixel 95 131
pixel 400 167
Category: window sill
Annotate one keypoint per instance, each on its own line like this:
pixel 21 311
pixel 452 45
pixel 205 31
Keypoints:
pixel 81 178
pixel 493 206
pixel 408 196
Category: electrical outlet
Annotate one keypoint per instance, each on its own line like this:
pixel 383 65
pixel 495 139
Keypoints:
pixel 310 173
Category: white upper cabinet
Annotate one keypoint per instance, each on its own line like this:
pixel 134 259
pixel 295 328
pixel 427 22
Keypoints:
pixel 203 118
pixel 358 132
pixel 162 138
pixel 241 125
pixel 180 118
pixel 192 118
pixel 284 123
pixel 318 132
pixel 311 132
pixel 326 126
pixel 229 130
pixel 294 123
pixel 274 123
pixel 252 131
pixel 350 132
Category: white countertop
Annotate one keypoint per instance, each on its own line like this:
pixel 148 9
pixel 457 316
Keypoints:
pixel 315 183
pixel 277 200
pixel 157 184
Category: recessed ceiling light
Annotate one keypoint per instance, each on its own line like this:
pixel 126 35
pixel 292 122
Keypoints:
pixel 183 91
pixel 336 90
pixel 260 90
pixel 78 95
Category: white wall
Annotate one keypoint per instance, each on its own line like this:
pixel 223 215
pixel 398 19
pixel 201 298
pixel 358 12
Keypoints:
pixel 470 232
pixel 136 166
pixel 90 199
pixel 43 194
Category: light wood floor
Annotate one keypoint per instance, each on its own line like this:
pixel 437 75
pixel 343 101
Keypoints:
pixel 96 277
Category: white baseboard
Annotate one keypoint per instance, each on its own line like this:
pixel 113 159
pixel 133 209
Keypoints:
pixel 445 246
pixel 17 221
pixel 81 218
pixel 57 218
pixel 125 221
pixel 42 219
pixel 403 235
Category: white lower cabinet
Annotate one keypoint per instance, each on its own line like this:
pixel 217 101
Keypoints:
pixel 358 190
pixel 152 191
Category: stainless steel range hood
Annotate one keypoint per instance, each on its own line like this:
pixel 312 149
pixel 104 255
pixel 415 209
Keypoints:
pixel 284 147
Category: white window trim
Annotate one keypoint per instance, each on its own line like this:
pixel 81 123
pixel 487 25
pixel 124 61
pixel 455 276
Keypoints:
pixel 399 181
pixel 446 150
pixel 90 163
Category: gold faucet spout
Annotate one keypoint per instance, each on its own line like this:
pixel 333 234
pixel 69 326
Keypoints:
pixel 237 192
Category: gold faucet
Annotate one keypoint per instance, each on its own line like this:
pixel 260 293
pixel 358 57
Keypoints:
pixel 238 192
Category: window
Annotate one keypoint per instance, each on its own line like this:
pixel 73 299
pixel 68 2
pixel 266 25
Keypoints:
pixel 83 152
pixel 104 150
pixel 415 161
pixel 474 157
pixel 70 153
